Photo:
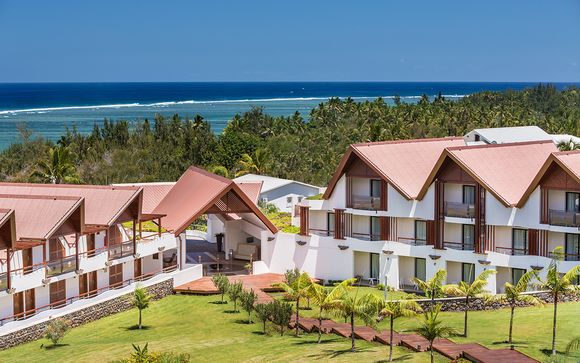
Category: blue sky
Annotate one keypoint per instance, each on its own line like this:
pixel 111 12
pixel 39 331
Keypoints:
pixel 75 41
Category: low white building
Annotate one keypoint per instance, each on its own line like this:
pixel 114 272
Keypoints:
pixel 283 193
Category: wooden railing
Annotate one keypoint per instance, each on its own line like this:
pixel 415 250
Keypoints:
pixel 459 210
pixel 120 250
pixel 88 294
pixel 563 218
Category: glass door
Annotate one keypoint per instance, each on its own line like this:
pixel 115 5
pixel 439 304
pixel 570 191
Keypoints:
pixel 572 247
pixel 468 237
pixel 519 241
pixel 421 268
pixel 375 229
pixel 330 224
pixel 375 261
pixel 420 233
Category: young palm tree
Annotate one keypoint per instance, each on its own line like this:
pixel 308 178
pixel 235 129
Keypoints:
pixel 573 346
pixel 354 306
pixel 58 168
pixel 141 300
pixel 296 290
pixel 431 327
pixel 514 295
pixel 568 145
pixel 558 284
pixel 395 309
pixel 469 291
pixel 326 299
pixel 433 288
pixel 253 164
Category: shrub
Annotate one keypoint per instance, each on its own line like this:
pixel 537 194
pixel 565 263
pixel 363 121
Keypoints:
pixel 281 314
pixel 234 292
pixel 381 287
pixel 222 283
pixel 291 275
pixel 264 313
pixel 247 300
pixel 142 355
pixel 56 330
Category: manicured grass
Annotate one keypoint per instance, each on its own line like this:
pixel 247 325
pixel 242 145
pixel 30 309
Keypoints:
pixel 195 325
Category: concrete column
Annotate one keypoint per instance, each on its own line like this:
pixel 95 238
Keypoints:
pixel 389 270
pixel 226 241
pixel 432 266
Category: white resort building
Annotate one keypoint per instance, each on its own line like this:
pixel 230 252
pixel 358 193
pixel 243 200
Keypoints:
pixel 402 209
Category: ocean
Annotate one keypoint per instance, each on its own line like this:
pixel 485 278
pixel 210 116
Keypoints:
pixel 48 108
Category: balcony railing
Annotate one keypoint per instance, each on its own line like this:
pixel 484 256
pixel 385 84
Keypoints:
pixel 121 250
pixel 322 232
pixel 512 251
pixel 566 256
pixel 61 266
pixel 365 202
pixel 565 219
pixel 3 281
pixel 412 241
pixel 459 246
pixel 459 210
pixel 366 236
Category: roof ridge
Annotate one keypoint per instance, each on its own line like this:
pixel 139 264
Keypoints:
pixel 507 144
pixel 209 174
pixel 33 196
pixel 566 152
pixel 70 186
pixel 405 141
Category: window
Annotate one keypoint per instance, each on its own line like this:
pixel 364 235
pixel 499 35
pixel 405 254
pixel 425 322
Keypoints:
pixel 519 241
pixel 572 202
pixel 421 268
pixel 375 260
pixel 468 194
pixel 330 223
pixel 375 229
pixel 375 188
pixel 468 237
pixel 572 247
pixel 300 199
pixel 468 272
pixel 420 232
pixel 264 200
pixel 517 274
pixel 288 199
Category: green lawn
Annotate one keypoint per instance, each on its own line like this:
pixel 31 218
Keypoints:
pixel 194 324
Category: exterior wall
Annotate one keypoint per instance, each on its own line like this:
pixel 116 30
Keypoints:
pixel 453 233
pixel 453 272
pixel 453 192
pixel 362 266
pixel 503 238
pixel 279 196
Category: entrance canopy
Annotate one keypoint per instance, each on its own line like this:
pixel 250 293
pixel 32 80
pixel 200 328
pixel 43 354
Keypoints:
pixel 198 192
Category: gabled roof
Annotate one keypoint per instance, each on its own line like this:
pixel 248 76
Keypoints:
pixel 251 189
pixel 198 192
pixel 505 170
pixel 7 229
pixel 502 135
pixel 404 164
pixel 269 182
pixel 39 217
pixel 153 194
pixel 569 161
pixel 105 205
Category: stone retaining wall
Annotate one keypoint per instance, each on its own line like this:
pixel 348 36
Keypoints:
pixel 85 315
pixel 457 304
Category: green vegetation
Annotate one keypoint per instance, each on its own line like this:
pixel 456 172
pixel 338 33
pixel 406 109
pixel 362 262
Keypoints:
pixel 297 147
pixel 141 300
pixel 197 326
pixel 56 330
pixel 142 355
pixel 432 327
pixel 394 309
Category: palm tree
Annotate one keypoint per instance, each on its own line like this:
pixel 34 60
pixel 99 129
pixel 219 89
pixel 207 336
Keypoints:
pixel 557 285
pixel 514 296
pixel 568 145
pixel 469 291
pixel 433 288
pixel 141 300
pixel 296 290
pixel 326 300
pixel 58 168
pixel 573 346
pixel 395 309
pixel 253 164
pixel 363 307
pixel 431 327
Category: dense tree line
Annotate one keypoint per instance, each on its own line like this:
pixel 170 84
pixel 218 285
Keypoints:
pixel 294 147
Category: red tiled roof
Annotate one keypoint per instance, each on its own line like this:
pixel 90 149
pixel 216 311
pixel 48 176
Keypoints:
pixel 38 217
pixel 104 204
pixel 252 189
pixel 153 194
pixel 571 161
pixel 505 170
pixel 405 164
pixel 197 192
pixel 7 230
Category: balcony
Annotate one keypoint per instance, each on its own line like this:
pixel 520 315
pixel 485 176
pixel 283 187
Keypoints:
pixel 412 241
pixel 459 246
pixel 459 210
pixel 365 236
pixel 3 281
pixel 564 219
pixel 121 250
pixel 512 251
pixel 365 202
pixel 61 266
pixel 566 256
pixel 322 232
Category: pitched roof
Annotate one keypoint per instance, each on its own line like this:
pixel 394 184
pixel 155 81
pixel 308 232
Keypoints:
pixel 104 204
pixel 502 135
pixel 252 189
pixel 269 182
pixel 153 193
pixel 505 170
pixel 567 160
pixel 197 192
pixel 39 217
pixel 7 229
pixel 405 164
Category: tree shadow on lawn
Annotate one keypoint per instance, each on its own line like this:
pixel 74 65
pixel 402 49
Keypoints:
pixel 231 311
pixel 314 341
pixel 515 343
pixel 403 357
pixel 243 321
pixel 218 302
pixel 54 346
pixel 332 353
pixel 136 327
pixel 548 352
